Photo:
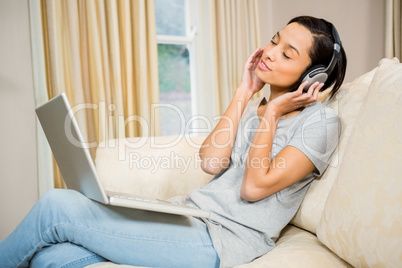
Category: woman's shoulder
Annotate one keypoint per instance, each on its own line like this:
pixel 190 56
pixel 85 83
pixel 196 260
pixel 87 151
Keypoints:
pixel 320 109
pixel 317 134
pixel 318 116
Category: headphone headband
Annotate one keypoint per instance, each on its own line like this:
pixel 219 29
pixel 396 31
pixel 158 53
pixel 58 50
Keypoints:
pixel 337 48
pixel 320 73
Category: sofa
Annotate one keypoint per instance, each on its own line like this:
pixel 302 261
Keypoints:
pixel 351 215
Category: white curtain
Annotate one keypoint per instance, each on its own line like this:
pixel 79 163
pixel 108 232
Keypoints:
pixel 393 29
pixel 235 34
pixel 102 53
pixel 45 164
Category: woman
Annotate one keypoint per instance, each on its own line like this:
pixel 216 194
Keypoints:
pixel 264 154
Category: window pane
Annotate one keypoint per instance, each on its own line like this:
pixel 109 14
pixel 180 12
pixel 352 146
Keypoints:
pixel 174 87
pixel 170 17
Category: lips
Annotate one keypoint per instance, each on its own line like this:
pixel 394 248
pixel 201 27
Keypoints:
pixel 263 66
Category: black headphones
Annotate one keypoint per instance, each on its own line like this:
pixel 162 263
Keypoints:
pixel 320 72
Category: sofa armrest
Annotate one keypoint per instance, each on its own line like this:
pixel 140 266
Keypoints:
pixel 161 167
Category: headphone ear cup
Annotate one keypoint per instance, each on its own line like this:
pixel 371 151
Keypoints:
pixel 319 76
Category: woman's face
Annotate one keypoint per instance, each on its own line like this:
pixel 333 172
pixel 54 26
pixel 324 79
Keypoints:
pixel 286 58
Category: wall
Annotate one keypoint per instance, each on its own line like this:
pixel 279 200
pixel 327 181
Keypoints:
pixel 360 24
pixel 18 173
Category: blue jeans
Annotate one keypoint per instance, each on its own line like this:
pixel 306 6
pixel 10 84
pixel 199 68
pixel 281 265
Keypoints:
pixel 66 229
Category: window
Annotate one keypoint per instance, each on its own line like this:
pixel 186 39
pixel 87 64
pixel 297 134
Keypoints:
pixel 175 28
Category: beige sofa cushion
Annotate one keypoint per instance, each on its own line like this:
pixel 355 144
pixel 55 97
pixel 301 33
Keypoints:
pixel 362 219
pixel 161 167
pixel 297 248
pixel 347 104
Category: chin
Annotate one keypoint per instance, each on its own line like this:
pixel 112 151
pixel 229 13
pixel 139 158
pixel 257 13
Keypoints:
pixel 262 76
pixel 278 83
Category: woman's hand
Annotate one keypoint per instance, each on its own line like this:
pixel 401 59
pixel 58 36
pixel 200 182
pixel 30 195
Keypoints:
pixel 217 147
pixel 249 81
pixel 292 101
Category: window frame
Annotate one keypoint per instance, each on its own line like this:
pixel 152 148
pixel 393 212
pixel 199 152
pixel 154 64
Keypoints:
pixel 197 42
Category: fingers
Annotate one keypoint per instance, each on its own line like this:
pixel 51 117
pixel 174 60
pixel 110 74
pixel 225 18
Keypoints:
pixel 255 56
pixel 252 61
pixel 312 94
pixel 301 88
pixel 314 89
pixel 317 90
pixel 257 52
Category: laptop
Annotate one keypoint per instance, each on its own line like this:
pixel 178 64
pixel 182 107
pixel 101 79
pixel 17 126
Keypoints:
pixel 78 169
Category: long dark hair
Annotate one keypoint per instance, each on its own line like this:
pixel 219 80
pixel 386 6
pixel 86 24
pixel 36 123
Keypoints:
pixel 322 50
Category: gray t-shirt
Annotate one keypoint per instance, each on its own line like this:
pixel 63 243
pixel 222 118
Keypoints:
pixel 240 230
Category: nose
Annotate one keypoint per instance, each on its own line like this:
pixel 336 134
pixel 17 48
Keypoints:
pixel 270 52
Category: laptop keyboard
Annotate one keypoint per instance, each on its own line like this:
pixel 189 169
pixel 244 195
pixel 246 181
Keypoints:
pixel 135 197
pixel 153 204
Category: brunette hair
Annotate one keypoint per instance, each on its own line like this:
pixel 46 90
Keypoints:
pixel 322 50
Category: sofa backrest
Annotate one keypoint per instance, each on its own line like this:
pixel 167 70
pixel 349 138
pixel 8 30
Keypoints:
pixel 161 167
pixel 362 218
pixel 347 104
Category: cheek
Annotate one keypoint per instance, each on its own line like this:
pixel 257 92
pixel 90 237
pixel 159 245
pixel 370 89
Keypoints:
pixel 286 74
pixel 292 73
pixel 289 75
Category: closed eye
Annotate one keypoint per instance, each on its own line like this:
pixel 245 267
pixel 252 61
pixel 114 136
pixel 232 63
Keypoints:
pixel 272 40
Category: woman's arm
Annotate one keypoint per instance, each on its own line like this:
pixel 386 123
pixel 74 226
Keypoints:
pixel 216 149
pixel 263 177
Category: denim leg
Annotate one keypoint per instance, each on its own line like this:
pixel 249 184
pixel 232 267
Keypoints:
pixel 64 255
pixel 122 235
